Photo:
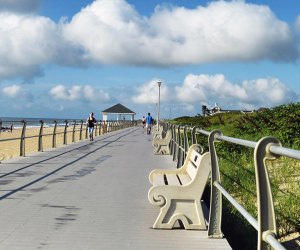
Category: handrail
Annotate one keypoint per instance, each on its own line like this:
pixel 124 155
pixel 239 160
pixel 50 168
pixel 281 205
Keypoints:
pixel 101 127
pixel 291 153
pixel 267 148
pixel 240 208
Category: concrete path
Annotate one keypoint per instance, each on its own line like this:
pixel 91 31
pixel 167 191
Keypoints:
pixel 88 195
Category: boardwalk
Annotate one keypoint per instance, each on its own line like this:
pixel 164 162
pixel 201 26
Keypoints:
pixel 88 195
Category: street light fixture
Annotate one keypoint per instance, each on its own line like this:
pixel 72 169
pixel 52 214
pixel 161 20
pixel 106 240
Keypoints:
pixel 159 84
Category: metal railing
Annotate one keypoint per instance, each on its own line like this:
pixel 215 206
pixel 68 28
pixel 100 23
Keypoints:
pixel 78 126
pixel 267 148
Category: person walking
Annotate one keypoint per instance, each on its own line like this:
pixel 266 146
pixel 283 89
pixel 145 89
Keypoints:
pixel 149 122
pixel 91 123
pixel 143 121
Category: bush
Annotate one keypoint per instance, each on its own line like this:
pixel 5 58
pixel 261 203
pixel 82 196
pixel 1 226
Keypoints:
pixel 236 162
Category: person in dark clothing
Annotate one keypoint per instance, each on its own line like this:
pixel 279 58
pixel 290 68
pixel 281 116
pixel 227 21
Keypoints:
pixel 91 123
pixel 143 121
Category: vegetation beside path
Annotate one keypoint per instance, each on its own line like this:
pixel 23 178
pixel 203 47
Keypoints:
pixel 237 167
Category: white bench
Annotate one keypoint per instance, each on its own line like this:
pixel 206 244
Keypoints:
pixel 162 146
pixel 157 132
pixel 178 192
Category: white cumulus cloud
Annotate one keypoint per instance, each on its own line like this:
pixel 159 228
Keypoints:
pixel 20 95
pixel 13 91
pixel 26 42
pixel 208 89
pixel 267 91
pixel 79 93
pixel 114 32
pixel 148 93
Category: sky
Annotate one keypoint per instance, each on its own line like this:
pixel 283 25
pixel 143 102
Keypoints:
pixel 65 59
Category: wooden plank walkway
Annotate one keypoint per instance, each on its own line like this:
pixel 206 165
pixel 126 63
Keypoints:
pixel 88 195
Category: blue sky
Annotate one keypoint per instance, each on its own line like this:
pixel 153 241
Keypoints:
pixel 64 59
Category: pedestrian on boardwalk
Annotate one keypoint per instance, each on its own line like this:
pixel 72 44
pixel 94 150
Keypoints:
pixel 149 122
pixel 143 121
pixel 91 123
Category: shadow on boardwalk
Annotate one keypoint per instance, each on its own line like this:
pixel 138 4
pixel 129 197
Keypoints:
pixel 88 195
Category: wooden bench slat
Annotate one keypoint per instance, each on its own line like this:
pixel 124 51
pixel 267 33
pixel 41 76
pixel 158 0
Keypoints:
pixel 159 180
pixel 196 158
pixel 173 180
pixel 191 169
pixel 184 178
pixel 194 161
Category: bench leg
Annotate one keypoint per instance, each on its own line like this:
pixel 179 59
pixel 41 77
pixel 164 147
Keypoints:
pixel 162 150
pixel 189 212
pixel 161 216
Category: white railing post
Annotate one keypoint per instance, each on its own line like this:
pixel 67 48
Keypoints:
pixel 215 213
pixel 265 205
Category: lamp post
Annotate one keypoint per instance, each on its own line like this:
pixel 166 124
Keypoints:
pixel 159 84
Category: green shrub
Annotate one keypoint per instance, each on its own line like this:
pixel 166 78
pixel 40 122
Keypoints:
pixel 236 162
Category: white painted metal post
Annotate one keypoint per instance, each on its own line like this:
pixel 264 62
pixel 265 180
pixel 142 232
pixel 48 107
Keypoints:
pixel 158 110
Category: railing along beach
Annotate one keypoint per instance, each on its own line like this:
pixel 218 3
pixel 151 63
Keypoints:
pixel 267 148
pixel 61 127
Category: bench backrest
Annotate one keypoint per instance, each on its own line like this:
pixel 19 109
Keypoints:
pixel 193 164
pixel 158 134
pixel 167 137
pixel 197 166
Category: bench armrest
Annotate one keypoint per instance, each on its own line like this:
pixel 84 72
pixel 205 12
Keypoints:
pixel 160 195
pixel 162 171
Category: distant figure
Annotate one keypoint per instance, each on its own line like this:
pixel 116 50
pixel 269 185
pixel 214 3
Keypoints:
pixel 143 121
pixel 149 122
pixel 91 123
pixel 11 127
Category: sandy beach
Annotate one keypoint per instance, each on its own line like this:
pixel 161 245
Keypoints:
pixel 10 149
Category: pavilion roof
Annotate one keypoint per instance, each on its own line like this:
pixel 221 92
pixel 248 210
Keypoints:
pixel 118 109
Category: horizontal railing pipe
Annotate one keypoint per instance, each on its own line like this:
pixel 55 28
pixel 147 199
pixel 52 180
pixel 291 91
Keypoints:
pixel 268 148
pixel 102 127
pixel 274 242
pixel 291 153
pixel 236 141
pixel 240 208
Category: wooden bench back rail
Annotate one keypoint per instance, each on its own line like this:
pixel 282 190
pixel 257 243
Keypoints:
pixel 178 192
pixel 267 148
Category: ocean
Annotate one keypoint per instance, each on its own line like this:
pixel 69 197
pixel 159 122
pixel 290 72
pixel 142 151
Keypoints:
pixel 34 122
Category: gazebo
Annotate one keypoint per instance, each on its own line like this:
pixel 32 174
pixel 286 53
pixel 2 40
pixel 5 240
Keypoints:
pixel 118 110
